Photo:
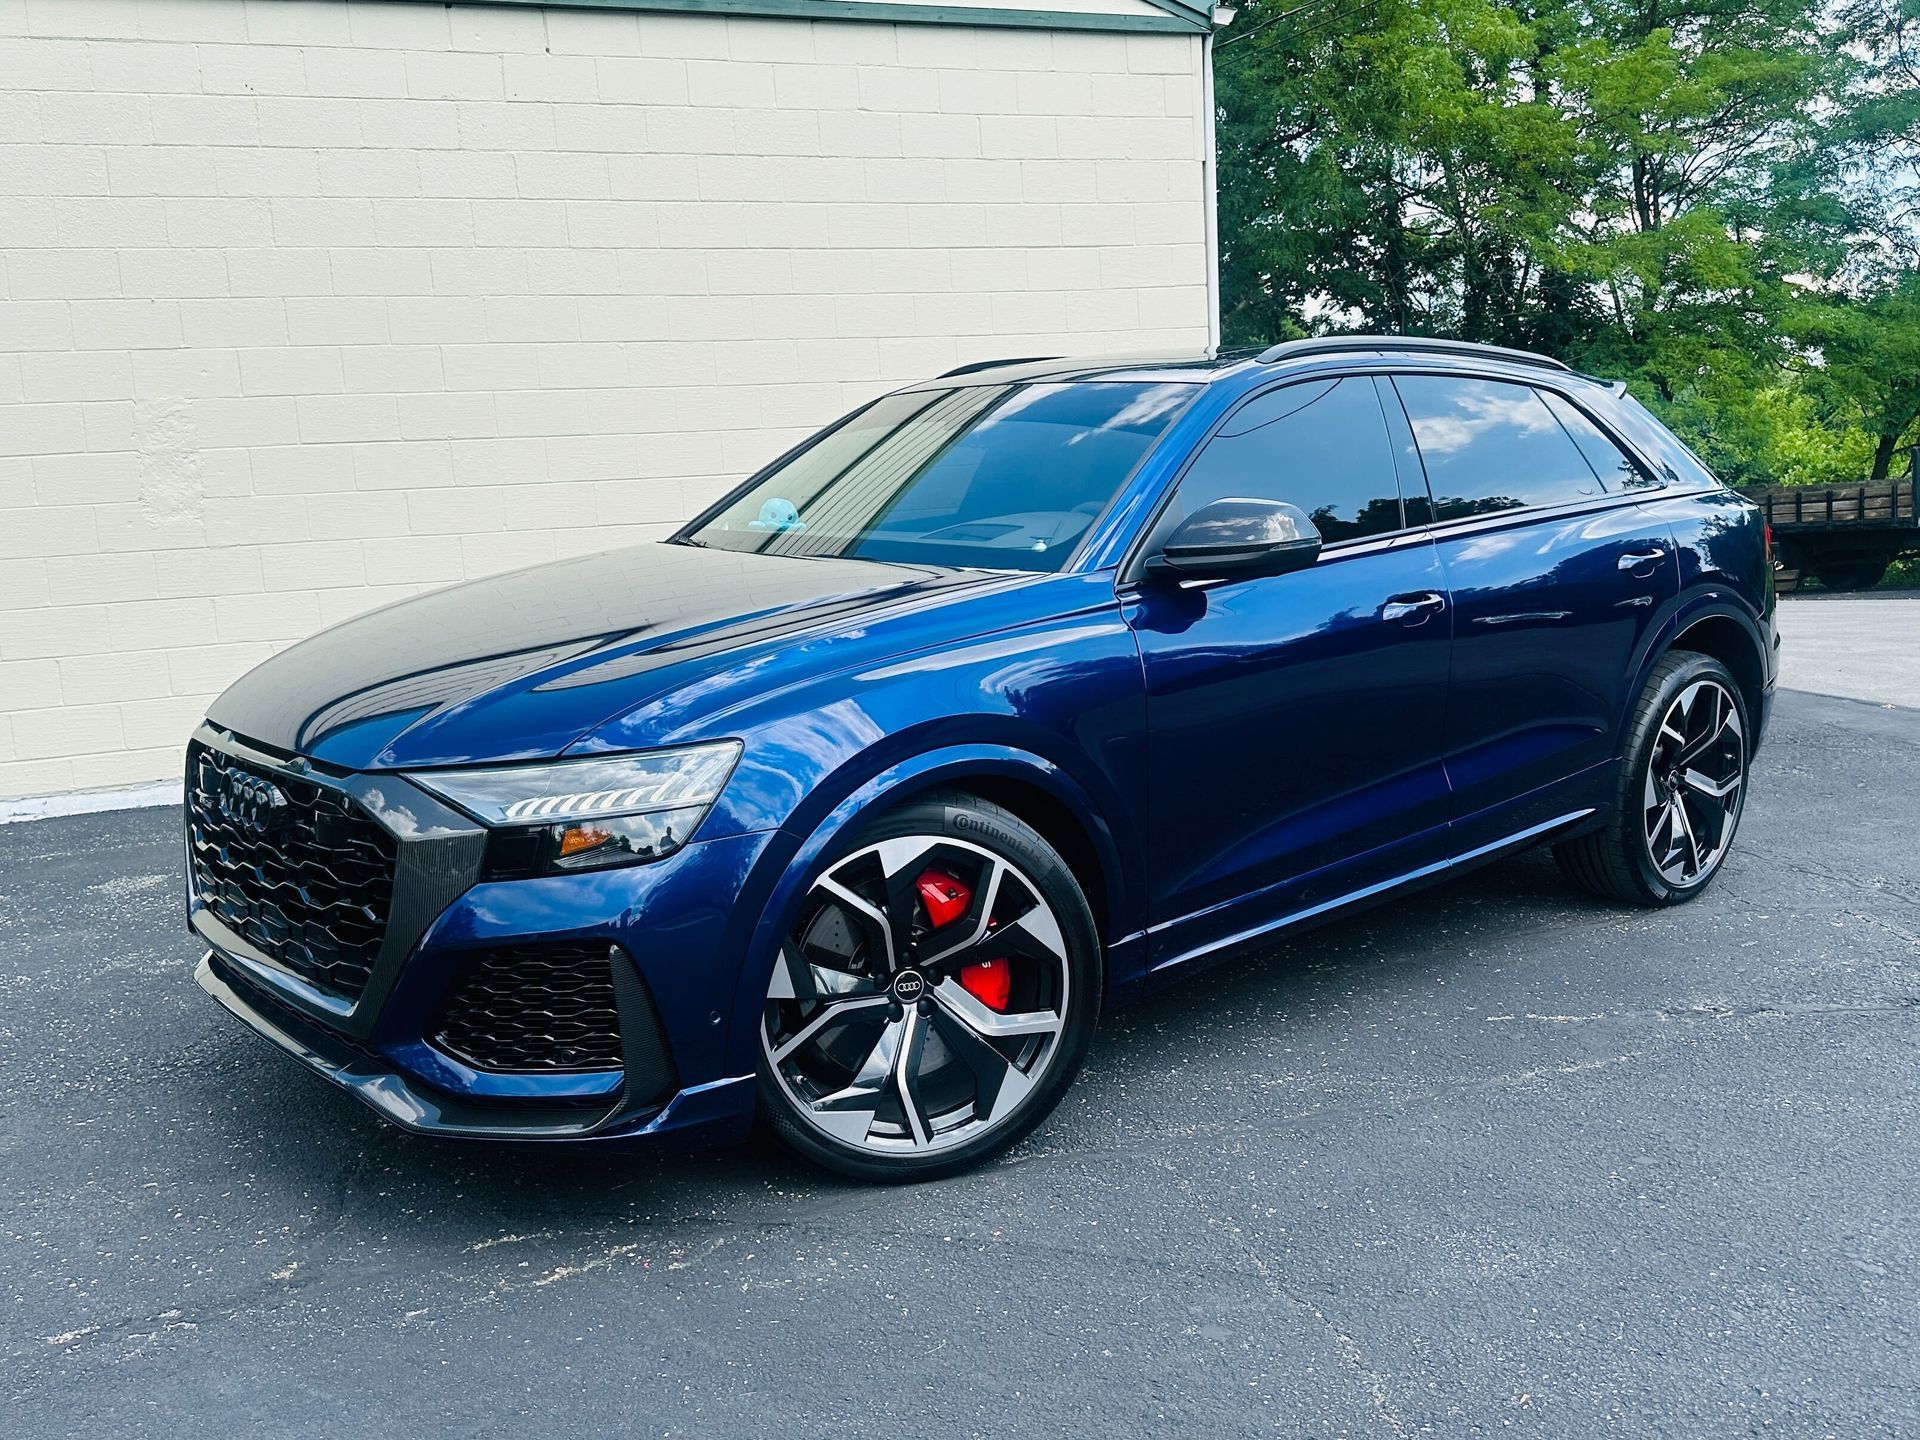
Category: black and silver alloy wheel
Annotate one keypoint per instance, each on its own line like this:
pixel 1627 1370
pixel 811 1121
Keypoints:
pixel 1695 783
pixel 932 999
pixel 1679 790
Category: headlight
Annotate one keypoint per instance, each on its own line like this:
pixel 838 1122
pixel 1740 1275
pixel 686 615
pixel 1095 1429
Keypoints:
pixel 585 814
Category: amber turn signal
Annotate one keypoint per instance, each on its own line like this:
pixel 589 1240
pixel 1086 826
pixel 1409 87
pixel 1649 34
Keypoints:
pixel 577 839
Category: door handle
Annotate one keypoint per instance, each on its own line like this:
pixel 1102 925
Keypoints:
pixel 1414 609
pixel 1634 559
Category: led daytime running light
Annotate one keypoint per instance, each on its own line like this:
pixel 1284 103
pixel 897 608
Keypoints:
pixel 663 796
pixel 592 787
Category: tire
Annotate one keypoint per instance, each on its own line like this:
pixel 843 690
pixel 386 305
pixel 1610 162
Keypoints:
pixel 900 1042
pixel 1680 793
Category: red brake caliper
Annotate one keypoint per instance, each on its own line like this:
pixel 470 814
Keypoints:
pixel 988 981
pixel 946 898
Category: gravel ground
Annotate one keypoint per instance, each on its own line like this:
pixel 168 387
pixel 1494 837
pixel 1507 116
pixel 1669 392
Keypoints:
pixel 1494 1160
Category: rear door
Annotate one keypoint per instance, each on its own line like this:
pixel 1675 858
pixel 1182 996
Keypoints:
pixel 1293 735
pixel 1555 569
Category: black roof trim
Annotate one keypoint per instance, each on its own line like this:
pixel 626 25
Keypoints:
pixel 1411 344
pixel 977 366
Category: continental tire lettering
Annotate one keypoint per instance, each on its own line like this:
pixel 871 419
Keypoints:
pixel 965 821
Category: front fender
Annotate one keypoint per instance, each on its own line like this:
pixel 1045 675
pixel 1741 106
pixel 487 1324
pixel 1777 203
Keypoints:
pixel 789 866
pixel 1039 683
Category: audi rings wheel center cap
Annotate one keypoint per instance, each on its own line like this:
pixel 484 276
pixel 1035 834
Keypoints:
pixel 909 986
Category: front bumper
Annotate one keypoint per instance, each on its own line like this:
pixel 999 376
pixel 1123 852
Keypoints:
pixel 673 933
pixel 716 1110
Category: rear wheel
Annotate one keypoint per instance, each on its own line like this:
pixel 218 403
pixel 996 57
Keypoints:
pixel 1681 789
pixel 934 997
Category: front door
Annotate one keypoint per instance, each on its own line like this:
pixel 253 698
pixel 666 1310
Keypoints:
pixel 1555 571
pixel 1293 721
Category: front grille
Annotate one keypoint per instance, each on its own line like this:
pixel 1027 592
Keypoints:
pixel 535 1007
pixel 295 868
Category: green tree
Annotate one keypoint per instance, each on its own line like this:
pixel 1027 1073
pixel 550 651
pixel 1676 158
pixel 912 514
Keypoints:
pixel 1714 199
pixel 1868 364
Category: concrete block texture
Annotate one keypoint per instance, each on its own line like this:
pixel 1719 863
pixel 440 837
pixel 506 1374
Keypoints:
pixel 308 304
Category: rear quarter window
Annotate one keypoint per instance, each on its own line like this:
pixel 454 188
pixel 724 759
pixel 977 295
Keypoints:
pixel 1617 469
pixel 1673 462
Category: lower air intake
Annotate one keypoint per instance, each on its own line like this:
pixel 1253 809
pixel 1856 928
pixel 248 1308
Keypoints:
pixel 548 1009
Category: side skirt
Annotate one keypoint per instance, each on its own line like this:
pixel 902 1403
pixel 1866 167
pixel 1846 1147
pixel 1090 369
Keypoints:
pixel 1327 910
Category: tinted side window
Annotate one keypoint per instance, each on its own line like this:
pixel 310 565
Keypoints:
pixel 1491 445
pixel 1608 460
pixel 1321 446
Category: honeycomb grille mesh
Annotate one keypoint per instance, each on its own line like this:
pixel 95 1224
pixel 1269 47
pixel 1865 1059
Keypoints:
pixel 543 1008
pixel 306 879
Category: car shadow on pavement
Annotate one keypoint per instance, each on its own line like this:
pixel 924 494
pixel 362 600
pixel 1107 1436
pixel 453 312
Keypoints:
pixel 1309 982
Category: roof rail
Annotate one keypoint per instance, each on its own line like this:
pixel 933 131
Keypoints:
pixel 1415 344
pixel 994 364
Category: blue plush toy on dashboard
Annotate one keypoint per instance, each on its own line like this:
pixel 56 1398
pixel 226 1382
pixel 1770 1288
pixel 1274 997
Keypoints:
pixel 778 514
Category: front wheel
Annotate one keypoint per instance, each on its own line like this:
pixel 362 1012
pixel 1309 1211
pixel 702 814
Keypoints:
pixel 934 996
pixel 1682 786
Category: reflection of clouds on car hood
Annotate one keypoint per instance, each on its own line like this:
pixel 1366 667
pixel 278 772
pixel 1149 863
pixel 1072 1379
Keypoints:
pixel 426 691
pixel 540 644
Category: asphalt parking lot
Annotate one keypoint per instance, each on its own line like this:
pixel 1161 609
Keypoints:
pixel 1496 1159
pixel 1861 646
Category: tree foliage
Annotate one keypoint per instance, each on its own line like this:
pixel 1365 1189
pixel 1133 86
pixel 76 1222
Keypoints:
pixel 1717 200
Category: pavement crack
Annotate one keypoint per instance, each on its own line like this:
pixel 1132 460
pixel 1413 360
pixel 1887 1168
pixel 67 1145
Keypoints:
pixel 1711 1011
pixel 616 1253
pixel 1796 862
pixel 1346 1347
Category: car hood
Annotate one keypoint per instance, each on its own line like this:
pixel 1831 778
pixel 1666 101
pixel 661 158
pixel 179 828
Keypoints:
pixel 521 666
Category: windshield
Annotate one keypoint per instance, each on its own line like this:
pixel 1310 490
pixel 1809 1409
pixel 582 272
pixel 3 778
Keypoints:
pixel 1003 477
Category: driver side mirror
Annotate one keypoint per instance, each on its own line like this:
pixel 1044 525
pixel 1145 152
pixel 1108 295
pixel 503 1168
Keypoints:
pixel 1239 538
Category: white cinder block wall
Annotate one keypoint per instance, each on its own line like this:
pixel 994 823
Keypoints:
pixel 307 306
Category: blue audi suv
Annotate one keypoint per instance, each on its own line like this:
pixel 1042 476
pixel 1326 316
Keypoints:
pixel 1005 699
